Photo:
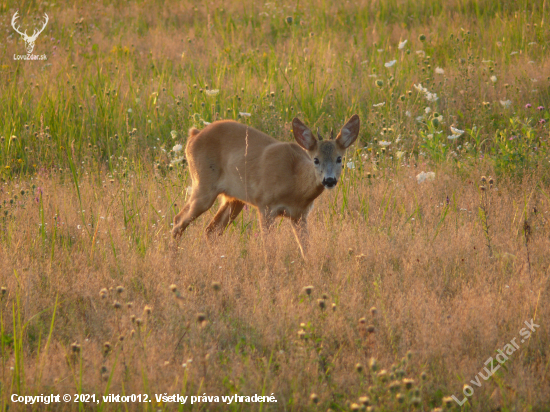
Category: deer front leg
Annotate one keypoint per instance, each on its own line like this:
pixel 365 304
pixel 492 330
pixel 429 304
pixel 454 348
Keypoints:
pixel 299 227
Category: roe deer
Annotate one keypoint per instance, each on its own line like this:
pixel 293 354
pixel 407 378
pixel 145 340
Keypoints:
pixel 244 165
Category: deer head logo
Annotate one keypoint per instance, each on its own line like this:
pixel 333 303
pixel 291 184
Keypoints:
pixel 29 40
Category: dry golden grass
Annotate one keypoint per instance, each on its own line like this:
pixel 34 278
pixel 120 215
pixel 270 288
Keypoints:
pixel 437 291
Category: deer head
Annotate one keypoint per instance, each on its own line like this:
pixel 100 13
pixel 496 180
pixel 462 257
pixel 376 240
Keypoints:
pixel 29 40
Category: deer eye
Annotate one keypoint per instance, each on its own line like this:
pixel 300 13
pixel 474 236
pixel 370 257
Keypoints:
pixel 339 159
pixel 316 161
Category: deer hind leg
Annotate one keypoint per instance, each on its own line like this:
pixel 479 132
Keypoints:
pixel 227 213
pixel 200 202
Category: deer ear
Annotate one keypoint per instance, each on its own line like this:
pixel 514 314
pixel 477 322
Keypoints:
pixel 303 135
pixel 349 132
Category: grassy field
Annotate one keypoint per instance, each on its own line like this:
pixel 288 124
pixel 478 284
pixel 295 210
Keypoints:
pixel 419 270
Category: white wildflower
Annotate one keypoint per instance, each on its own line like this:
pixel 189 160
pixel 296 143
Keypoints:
pixel 177 148
pixel 493 79
pixel 431 97
pixel 486 61
pixel 384 143
pixel 350 165
pixel 373 75
pixel 245 114
pixel 399 154
pixel 174 134
pixel 427 110
pixel 420 118
pixel 514 52
pixel 408 114
pixel 506 103
pixel 212 92
pixel 453 136
pixel 178 160
pixel 364 62
pixel 454 130
pixel 421 53
pixel 380 50
pixel 425 176
pixel 130 110
pixel 390 63
pixel 532 43
pixel 379 104
pixel 402 44
pixel 439 70
pixel 531 62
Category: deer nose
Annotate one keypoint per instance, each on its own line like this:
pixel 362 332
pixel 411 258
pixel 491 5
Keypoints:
pixel 329 182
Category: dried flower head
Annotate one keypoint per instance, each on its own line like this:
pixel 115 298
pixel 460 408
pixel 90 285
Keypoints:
pixel 308 290
pixel 147 310
pixel 103 293
pixel 408 383
pixel 333 306
pixel 355 407
pixel 106 347
pixel 4 291
pixel 359 367
pixel 373 364
pixel 117 305
pixel 448 401
pixel 75 347
pixel 120 289
pixel 139 322
pixel 370 328
pixel 216 286
pixel 321 303
pixel 302 334
pixel 373 311
pixel 173 288
pixel 424 376
pixel 314 398
pixel 362 321
pixel 201 317
pixel 394 386
pixel 483 179
pixel 364 400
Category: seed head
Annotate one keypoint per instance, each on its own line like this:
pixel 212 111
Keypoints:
pixel 362 321
pixel 216 286
pixel 201 317
pixel 334 307
pixel 359 367
pixel 424 376
pixel 383 375
pixel 491 181
pixel 379 83
pixel 129 305
pixel 120 289
pixel 106 347
pixel 483 179
pixel 408 383
pixel 314 398
pixel 103 369
pixel 373 311
pixel 370 328
pixel 395 386
pixel 4 291
pixel 355 407
pixel 133 318
pixel 103 293
pixel 422 37
pixel 121 338
pixel 308 290
pixel 400 398
pixel 173 288
pixel 147 310
pixel 75 347
pixel 139 322
pixel 416 401
pixel 302 334
pixel 373 365
pixel 447 401
pixel 321 303
pixel 116 304
pixel 482 188
pixel 364 400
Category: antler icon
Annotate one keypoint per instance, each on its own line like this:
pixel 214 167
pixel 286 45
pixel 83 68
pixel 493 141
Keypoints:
pixel 29 41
